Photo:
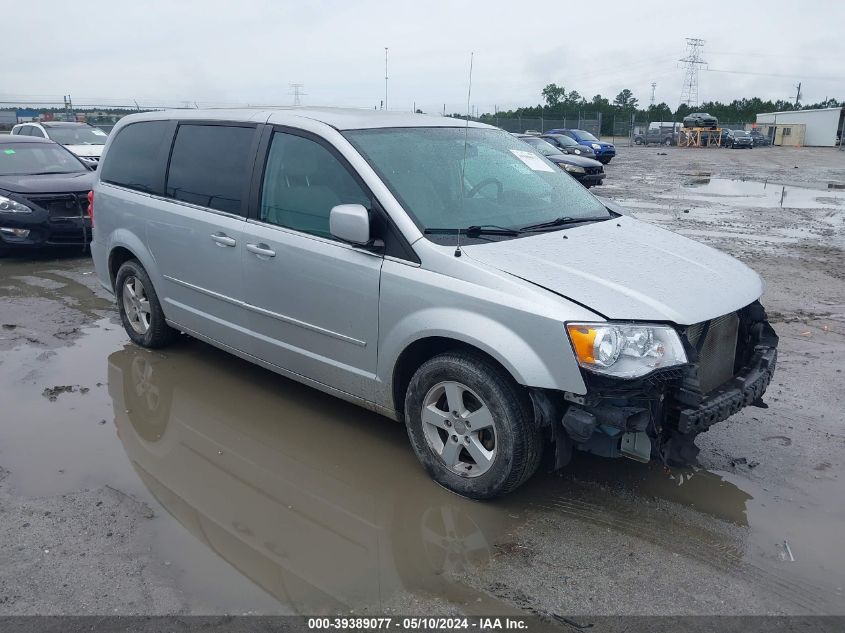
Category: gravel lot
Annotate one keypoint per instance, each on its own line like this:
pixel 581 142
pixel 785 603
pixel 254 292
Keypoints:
pixel 191 482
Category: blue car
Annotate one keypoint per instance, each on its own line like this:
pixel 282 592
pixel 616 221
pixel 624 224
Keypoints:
pixel 604 151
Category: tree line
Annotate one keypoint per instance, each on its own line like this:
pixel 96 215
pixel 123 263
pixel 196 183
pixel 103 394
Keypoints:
pixel 558 103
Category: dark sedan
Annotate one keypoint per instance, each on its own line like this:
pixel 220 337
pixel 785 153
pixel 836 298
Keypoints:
pixel 568 145
pixel 739 139
pixel 43 195
pixel 585 170
pixel 760 139
pixel 701 119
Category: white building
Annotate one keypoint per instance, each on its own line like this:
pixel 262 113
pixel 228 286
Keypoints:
pixel 821 126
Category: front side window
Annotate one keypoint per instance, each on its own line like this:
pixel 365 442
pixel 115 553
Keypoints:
pixel 34 131
pixel 303 180
pixel 210 166
pixel 133 160
pixel 495 180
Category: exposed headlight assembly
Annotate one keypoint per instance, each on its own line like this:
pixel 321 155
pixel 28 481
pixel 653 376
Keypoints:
pixel 575 169
pixel 7 205
pixel 625 350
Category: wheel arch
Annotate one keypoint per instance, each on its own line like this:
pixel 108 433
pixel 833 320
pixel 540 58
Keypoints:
pixel 125 246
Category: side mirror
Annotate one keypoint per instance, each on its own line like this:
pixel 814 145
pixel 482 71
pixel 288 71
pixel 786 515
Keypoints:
pixel 350 223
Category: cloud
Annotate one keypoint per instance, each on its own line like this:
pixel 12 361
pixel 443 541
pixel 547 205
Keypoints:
pixel 251 50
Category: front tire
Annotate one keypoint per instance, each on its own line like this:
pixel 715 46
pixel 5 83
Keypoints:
pixel 471 425
pixel 139 307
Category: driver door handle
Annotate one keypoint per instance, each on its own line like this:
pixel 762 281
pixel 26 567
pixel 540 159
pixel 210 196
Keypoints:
pixel 262 250
pixel 221 239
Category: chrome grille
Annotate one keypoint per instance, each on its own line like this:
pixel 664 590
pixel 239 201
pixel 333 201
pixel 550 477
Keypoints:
pixel 716 345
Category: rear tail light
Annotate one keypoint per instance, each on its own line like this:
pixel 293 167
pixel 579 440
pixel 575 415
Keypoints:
pixel 91 206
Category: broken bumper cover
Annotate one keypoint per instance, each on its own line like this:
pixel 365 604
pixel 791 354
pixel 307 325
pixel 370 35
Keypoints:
pixel 744 389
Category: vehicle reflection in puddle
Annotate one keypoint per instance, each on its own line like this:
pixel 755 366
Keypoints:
pixel 319 502
pixel 324 506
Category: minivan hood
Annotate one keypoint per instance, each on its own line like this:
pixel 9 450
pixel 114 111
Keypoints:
pixel 623 268
pixel 86 150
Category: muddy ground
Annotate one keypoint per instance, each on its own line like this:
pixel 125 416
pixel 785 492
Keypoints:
pixel 188 481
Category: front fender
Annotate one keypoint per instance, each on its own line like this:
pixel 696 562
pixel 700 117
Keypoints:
pixel 522 328
pixel 512 351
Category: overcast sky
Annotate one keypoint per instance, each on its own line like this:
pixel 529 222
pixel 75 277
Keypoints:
pixel 249 51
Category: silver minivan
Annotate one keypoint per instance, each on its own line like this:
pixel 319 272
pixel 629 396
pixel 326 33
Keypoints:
pixel 442 273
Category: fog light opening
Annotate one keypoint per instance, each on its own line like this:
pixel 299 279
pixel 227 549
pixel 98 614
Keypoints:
pixel 21 234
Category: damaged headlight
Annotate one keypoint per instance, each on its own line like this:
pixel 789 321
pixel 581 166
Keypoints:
pixel 625 350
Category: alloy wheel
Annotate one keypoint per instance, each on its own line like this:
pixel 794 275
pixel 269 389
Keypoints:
pixel 459 428
pixel 136 304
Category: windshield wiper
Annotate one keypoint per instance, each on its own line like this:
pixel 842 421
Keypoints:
pixel 561 221
pixel 474 230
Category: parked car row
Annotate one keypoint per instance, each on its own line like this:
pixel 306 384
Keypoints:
pixel 727 137
pixel 587 171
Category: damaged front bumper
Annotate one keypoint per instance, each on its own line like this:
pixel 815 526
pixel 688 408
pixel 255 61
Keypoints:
pixel 659 415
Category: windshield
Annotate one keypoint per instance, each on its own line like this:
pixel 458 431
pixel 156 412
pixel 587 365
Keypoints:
pixel 739 133
pixel 20 159
pixel 544 147
pixel 77 135
pixel 565 140
pixel 505 182
pixel 585 136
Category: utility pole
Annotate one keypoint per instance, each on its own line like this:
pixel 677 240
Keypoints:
pixel 653 86
pixel 689 93
pixel 798 94
pixel 296 91
pixel 385 77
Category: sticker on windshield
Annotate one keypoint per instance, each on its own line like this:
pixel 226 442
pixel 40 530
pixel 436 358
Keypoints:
pixel 9 151
pixel 531 160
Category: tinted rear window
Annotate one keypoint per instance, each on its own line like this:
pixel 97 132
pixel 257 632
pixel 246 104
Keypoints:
pixel 133 159
pixel 210 166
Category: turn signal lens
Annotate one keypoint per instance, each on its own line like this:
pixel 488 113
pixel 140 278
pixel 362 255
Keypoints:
pixel 583 339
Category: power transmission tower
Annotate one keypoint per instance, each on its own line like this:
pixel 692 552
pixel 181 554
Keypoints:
pixel 296 91
pixel 689 93
pixel 69 114
pixel 653 86
pixel 798 94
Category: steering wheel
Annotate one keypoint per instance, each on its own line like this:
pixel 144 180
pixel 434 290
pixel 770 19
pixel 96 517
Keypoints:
pixel 487 181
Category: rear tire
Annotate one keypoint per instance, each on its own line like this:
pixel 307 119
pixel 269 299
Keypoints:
pixel 139 307
pixel 472 408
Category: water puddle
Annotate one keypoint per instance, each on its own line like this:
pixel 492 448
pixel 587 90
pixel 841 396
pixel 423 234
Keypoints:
pixel 273 497
pixel 750 193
